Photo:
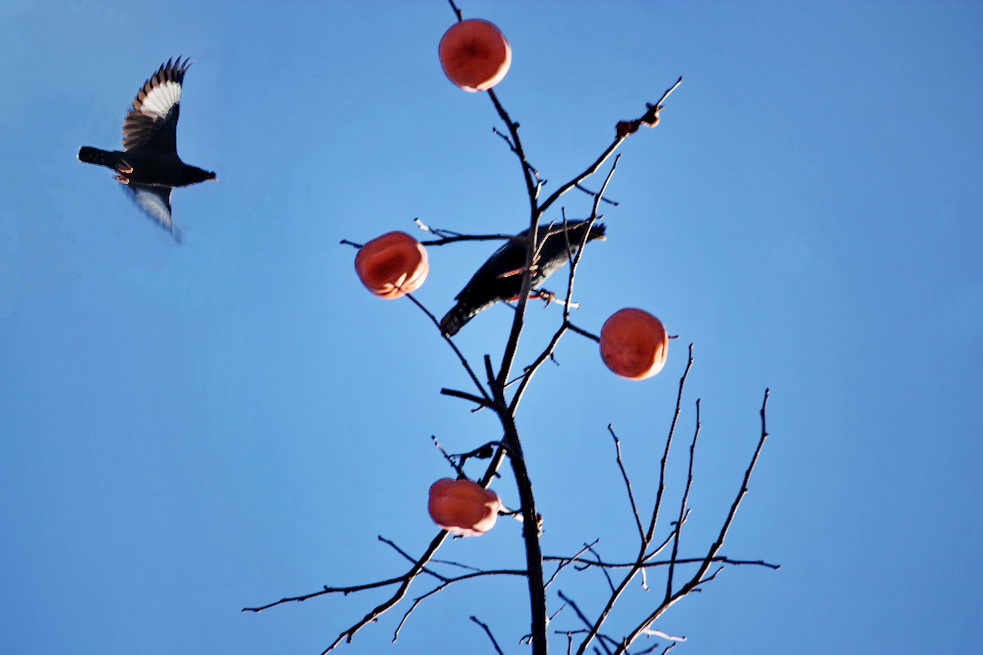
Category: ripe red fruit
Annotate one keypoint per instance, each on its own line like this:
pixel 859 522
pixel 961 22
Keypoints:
pixel 634 344
pixel 392 265
pixel 475 54
pixel 463 507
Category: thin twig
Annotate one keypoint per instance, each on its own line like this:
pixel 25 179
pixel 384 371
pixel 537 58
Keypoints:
pixel 607 576
pixel 665 454
pixel 443 585
pixel 700 577
pixel 682 505
pixel 602 617
pixel 457 351
pixel 590 335
pixel 468 237
pixel 481 402
pixel 484 626
pixel 457 11
pixel 721 559
pixel 581 616
pixel 627 481
pixel 619 138
pixel 328 590
pixel 564 564
pixel 591 193
pixel 412 560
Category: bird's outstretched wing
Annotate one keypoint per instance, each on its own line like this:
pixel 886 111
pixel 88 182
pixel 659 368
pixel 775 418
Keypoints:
pixel 155 201
pixel 153 120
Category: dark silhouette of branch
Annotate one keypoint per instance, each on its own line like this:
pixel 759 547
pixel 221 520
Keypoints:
pixel 583 618
pixel 649 534
pixel 457 12
pixel 580 187
pixel 328 590
pixel 564 563
pixel 574 261
pixel 468 237
pixel 481 402
pixel 450 236
pixel 701 577
pixel 607 576
pixel 587 563
pixel 530 527
pixel 484 626
pixel 682 504
pixel 627 481
pixel 665 453
pixel 457 351
pixel 443 585
pixel 651 114
pixel 582 332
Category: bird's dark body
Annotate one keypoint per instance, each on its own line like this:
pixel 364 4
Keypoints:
pixel 149 165
pixel 500 277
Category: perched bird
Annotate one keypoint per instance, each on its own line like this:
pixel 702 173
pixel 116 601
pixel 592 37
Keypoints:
pixel 149 165
pixel 500 278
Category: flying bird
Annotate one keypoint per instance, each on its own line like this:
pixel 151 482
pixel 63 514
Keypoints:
pixel 149 165
pixel 500 277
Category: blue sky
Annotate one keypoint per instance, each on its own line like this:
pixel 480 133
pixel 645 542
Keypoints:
pixel 188 430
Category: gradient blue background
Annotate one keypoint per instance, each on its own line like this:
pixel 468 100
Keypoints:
pixel 188 430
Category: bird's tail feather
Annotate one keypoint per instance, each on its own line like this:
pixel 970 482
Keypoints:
pixel 96 156
pixel 455 319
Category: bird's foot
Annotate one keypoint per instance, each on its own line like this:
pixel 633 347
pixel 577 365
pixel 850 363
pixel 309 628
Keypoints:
pixel 543 294
pixel 122 178
pixel 124 167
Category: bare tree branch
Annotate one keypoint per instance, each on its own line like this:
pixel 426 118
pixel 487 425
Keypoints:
pixel 682 505
pixel 484 626
pixel 587 563
pixel 571 276
pixel 700 577
pixel 627 481
pixel 443 585
pixel 619 138
pixel 450 342
pixel 457 11
pixel 603 615
pixel 565 563
pixel 581 616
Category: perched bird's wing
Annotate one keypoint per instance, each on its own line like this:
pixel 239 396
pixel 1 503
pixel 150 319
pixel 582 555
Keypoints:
pixel 500 277
pixel 153 120
pixel 155 201
pixel 507 261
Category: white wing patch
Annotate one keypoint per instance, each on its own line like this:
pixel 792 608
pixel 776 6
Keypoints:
pixel 160 99
pixel 155 203
pixel 155 104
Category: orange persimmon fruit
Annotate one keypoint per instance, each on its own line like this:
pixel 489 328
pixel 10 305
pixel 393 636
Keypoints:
pixel 634 344
pixel 462 507
pixel 475 54
pixel 392 265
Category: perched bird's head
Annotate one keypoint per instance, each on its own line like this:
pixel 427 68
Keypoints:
pixel 598 231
